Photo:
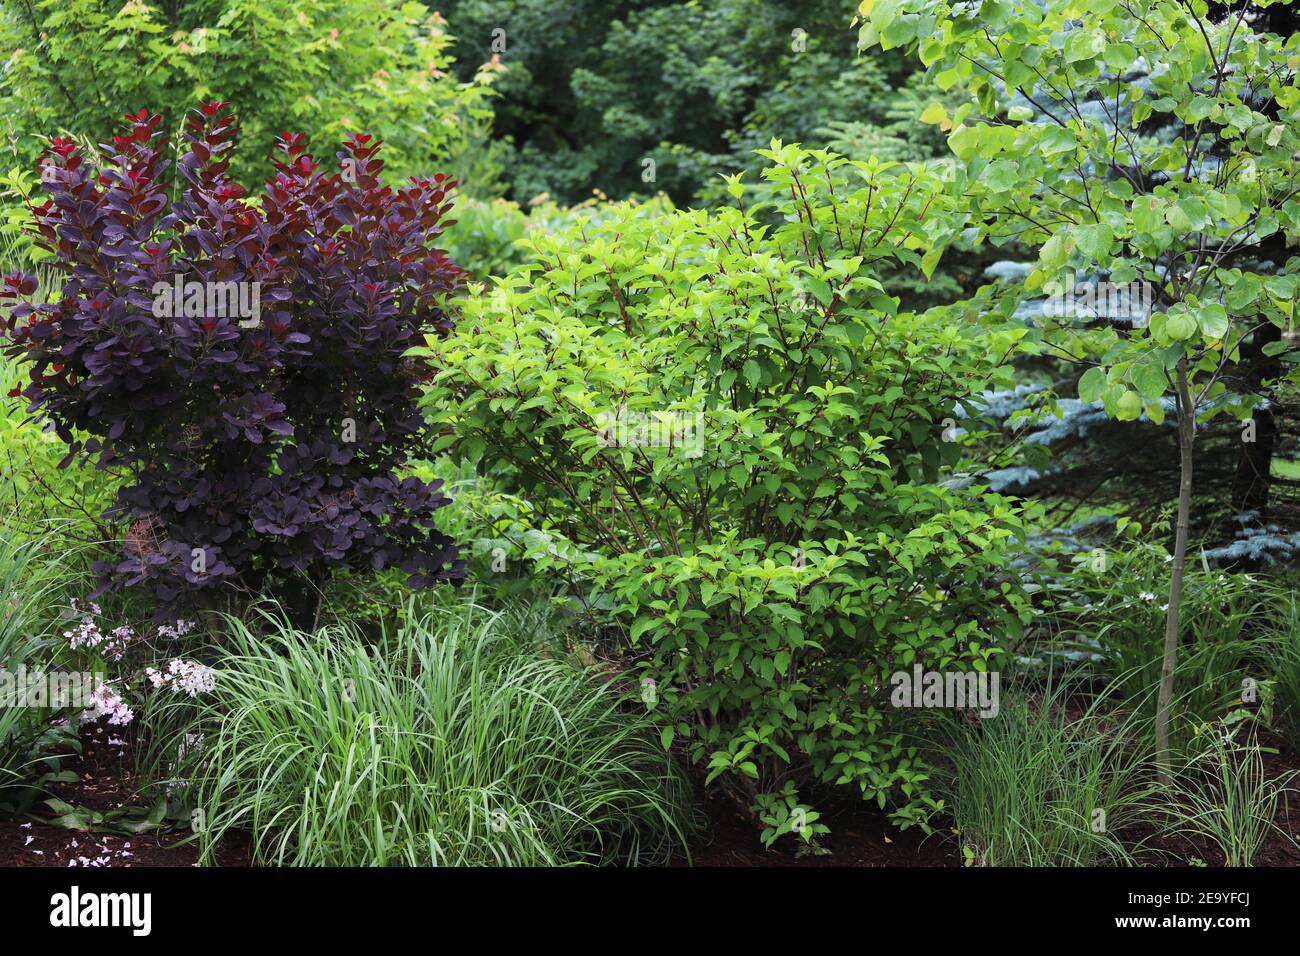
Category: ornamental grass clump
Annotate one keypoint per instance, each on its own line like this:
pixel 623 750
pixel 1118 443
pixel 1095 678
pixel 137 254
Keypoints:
pixel 451 740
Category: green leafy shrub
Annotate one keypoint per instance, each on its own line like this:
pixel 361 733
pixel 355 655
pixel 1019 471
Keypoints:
pixel 453 740
pixel 485 239
pixel 326 67
pixel 744 437
pixel 510 549
pixel 490 238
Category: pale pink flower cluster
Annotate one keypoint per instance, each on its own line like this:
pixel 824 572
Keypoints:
pixel 87 634
pixel 179 628
pixel 105 702
pixel 183 677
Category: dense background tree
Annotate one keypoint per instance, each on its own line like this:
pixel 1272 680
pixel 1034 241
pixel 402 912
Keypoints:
pixel 1085 463
pixel 324 67
pixel 594 89
pixel 1054 144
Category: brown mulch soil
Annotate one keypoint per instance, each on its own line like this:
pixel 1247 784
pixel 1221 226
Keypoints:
pixel 106 782
pixel 861 835
pixel 1277 850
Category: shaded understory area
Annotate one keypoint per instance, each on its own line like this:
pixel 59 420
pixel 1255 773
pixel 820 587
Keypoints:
pixel 861 836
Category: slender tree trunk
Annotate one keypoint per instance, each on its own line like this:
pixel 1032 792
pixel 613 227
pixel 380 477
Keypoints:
pixel 1186 436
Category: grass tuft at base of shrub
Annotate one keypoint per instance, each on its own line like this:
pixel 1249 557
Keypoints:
pixel 451 740
pixel 1032 787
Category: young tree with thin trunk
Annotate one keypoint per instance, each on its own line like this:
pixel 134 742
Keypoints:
pixel 1143 142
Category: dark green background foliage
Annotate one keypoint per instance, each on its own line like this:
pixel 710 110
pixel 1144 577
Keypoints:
pixel 323 67
pixel 594 88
